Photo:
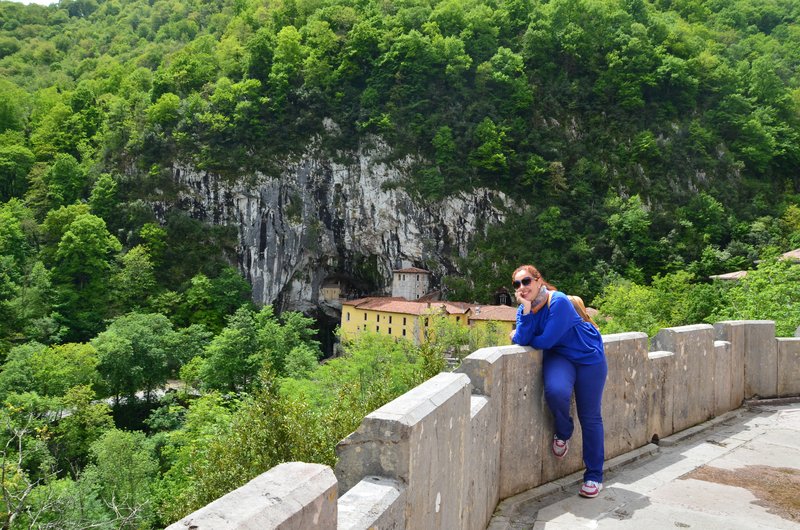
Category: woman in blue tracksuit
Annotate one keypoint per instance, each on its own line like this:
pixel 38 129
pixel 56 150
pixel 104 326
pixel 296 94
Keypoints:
pixel 574 360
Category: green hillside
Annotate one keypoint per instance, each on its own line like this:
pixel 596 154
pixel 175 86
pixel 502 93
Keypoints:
pixel 645 146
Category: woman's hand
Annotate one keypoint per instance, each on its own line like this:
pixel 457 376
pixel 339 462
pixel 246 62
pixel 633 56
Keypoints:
pixel 526 304
pixel 511 335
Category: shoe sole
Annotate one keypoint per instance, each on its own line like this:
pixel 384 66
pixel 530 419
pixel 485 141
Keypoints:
pixel 562 455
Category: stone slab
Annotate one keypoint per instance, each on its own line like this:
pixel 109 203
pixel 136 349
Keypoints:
pixel 625 399
pixel 375 503
pixel 290 496
pixel 523 421
pixel 659 387
pixel 760 356
pixel 694 372
pixel 733 332
pixel 788 366
pixel 723 374
pixel 484 367
pixel 482 471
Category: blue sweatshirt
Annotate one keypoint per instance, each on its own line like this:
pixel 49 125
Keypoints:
pixel 558 328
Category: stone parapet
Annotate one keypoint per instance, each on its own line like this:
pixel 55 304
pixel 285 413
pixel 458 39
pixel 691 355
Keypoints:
pixel 288 496
pixel 443 455
pixel 419 439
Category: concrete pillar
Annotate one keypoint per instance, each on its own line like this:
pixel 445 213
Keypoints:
pixel 733 332
pixel 522 421
pixel 482 474
pixel 788 366
pixel 419 439
pixel 755 341
pixel 693 382
pixel 291 495
pixel 723 377
pixel 375 503
pixel 660 386
pixel 625 396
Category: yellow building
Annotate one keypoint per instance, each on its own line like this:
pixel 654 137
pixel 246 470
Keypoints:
pixel 402 318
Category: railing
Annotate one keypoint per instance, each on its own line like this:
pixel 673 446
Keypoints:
pixel 445 453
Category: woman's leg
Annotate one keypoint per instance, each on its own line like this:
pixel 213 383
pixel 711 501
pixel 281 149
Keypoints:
pixel 590 380
pixel 559 379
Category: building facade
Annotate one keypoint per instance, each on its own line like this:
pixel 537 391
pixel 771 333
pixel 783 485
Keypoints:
pixel 410 283
pixel 404 319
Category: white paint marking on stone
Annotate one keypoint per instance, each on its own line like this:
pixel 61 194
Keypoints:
pixel 438 500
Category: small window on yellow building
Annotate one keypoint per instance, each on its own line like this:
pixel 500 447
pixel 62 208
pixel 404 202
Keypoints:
pixel 365 316
pixel 390 319
pixel 390 331
pixel 348 316
pixel 404 333
pixel 377 329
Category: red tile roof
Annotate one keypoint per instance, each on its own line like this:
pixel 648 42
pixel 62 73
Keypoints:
pixel 793 255
pixel 412 270
pixel 401 305
pixel 493 312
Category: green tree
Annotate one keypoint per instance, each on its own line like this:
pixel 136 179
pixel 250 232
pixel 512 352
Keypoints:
pixel 125 469
pixel 16 162
pixel 234 357
pixel 770 292
pixel 84 424
pixel 83 267
pixel 103 198
pixel 135 281
pixel 134 354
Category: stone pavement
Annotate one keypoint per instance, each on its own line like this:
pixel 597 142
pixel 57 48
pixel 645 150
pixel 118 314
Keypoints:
pixel 738 471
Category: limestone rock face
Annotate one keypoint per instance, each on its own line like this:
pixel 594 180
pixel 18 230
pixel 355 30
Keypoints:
pixel 322 217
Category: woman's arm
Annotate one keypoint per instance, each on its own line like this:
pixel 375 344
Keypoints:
pixel 524 332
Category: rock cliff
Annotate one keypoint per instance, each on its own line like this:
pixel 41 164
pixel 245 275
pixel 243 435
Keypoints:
pixel 322 218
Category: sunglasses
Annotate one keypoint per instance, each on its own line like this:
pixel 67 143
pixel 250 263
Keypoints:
pixel 524 281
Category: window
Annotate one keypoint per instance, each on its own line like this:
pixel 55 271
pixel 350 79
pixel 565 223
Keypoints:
pixel 365 316
pixel 377 318
pixel 377 329
pixel 458 319
pixel 390 331
pixel 404 333
pixel 390 319
pixel 404 321
pixel 348 316
pixel 426 321
pixel 417 277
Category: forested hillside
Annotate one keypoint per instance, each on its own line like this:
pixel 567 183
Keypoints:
pixel 646 145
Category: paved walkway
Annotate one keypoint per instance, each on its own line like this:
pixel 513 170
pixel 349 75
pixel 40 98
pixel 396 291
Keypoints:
pixel 739 471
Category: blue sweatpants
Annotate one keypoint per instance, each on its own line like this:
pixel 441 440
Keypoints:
pixel 561 377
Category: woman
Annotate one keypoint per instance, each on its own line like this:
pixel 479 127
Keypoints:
pixel 574 360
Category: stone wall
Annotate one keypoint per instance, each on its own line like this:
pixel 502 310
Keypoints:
pixel 444 454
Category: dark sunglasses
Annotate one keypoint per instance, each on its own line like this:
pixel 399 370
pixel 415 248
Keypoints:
pixel 524 281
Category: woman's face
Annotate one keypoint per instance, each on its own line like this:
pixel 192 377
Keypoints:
pixel 528 292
